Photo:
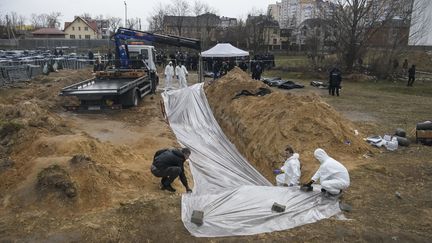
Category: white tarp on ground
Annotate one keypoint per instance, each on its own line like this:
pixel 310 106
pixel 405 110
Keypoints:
pixel 236 198
pixel 224 50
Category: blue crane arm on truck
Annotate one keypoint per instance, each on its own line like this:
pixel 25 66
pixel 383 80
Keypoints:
pixel 123 34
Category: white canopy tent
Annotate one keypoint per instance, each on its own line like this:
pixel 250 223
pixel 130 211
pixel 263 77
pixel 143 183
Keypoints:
pixel 224 50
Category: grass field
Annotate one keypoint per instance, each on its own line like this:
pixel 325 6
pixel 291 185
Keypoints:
pixel 393 104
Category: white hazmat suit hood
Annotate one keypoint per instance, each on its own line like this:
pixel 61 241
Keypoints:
pixel 321 155
pixel 333 175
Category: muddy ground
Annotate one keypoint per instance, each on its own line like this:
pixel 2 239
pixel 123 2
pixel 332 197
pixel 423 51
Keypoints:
pixel 85 176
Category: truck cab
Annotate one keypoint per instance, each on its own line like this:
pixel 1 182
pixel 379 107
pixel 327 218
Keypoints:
pixel 142 56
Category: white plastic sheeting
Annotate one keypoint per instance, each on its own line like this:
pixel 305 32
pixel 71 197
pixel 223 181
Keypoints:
pixel 235 198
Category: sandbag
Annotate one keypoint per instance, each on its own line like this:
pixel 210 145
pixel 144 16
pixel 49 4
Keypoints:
pixel 402 141
pixel 427 125
pixel 400 132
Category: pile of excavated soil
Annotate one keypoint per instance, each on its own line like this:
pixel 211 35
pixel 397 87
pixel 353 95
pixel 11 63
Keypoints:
pixel 261 126
pixel 50 159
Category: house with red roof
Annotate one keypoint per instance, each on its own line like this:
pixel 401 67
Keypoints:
pixel 81 28
pixel 48 33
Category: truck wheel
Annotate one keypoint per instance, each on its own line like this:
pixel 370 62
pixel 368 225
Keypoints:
pixel 135 98
pixel 131 98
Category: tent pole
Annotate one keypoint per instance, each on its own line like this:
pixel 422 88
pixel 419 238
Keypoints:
pixel 200 69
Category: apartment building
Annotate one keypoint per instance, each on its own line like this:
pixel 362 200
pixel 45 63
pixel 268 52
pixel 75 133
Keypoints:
pixel 274 10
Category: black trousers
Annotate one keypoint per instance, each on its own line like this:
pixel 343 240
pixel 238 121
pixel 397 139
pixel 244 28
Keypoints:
pixel 411 81
pixel 168 174
pixel 333 90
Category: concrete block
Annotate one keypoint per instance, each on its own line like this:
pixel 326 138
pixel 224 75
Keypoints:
pixel 197 217
pixel 278 207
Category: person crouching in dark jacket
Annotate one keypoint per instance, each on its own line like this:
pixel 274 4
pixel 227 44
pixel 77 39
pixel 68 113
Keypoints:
pixel 168 164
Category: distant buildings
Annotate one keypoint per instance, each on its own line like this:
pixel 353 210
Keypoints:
pixel 201 26
pixel 81 28
pixel 207 27
pixel 48 33
pixel 298 17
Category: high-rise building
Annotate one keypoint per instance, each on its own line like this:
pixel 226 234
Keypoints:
pixel 274 10
pixel 291 13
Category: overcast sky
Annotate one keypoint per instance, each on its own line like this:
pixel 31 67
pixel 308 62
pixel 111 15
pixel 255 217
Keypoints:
pixel 135 8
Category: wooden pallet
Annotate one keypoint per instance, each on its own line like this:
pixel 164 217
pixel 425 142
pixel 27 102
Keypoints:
pixel 424 136
pixel 120 74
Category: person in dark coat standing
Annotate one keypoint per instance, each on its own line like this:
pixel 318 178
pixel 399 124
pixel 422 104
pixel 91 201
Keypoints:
pixel 411 75
pixel 335 79
pixel 169 164
pixel 257 71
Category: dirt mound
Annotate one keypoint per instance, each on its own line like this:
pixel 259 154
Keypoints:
pixel 55 178
pixel 261 126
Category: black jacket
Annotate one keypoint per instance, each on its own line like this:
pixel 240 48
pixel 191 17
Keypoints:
pixel 335 78
pixel 411 72
pixel 165 158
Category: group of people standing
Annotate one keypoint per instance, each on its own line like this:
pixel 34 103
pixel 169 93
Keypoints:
pixel 179 71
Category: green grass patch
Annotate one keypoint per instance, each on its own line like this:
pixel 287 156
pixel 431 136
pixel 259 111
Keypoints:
pixel 290 75
pixel 291 61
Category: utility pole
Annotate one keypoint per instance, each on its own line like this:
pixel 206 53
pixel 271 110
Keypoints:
pixel 125 14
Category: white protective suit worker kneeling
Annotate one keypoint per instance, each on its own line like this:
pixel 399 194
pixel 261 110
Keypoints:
pixel 290 171
pixel 169 74
pixel 333 176
pixel 181 73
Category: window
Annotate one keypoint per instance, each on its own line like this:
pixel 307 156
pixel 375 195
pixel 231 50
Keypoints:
pixel 87 37
pixel 86 28
pixel 274 41
pixel 79 28
pixel 72 36
pixel 73 28
pixel 275 31
pixel 79 36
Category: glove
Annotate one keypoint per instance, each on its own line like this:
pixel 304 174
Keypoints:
pixel 188 190
pixel 277 172
pixel 309 184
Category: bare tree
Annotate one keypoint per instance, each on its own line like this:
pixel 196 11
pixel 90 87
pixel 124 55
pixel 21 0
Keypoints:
pixel 408 26
pixel 21 22
pixel 199 8
pixel 114 23
pixel 180 8
pixel 53 20
pixel 86 16
pixel 99 17
pixel 134 23
pixel 156 21
pixel 255 28
pixel 236 34
pixel 39 20
pixel 355 22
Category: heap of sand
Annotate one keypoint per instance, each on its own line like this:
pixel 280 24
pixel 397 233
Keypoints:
pixel 262 126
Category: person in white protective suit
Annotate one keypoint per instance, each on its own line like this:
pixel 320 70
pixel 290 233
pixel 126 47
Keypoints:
pixel 333 176
pixel 169 74
pixel 290 171
pixel 181 73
